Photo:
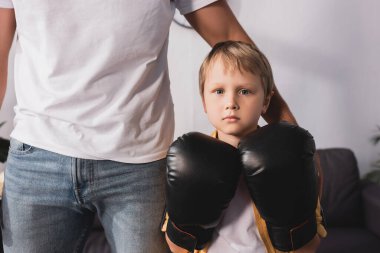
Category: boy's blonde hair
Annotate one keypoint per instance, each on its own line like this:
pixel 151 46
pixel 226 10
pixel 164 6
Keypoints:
pixel 241 56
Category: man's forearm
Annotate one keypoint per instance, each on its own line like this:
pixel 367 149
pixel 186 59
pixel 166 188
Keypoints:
pixel 3 80
pixel 216 22
pixel 7 31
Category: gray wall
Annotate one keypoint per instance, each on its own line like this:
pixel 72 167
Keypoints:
pixel 325 56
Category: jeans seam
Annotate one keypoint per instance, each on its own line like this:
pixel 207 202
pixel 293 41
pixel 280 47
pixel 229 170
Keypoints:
pixel 74 180
pixel 81 242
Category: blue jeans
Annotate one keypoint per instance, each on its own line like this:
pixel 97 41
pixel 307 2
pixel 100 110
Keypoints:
pixel 50 201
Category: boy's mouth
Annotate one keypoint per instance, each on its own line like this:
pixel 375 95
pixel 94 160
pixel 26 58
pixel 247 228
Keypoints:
pixel 231 118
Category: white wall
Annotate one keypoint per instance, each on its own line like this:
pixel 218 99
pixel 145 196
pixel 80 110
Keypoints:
pixel 325 56
pixel 326 60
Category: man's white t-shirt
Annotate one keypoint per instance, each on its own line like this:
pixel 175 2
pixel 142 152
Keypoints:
pixel 237 232
pixel 91 76
pixel 6 4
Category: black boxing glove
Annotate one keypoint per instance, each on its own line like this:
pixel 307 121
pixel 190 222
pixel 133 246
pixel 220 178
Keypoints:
pixel 281 177
pixel 202 176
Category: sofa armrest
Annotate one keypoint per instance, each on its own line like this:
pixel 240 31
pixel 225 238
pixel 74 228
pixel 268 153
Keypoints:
pixel 371 205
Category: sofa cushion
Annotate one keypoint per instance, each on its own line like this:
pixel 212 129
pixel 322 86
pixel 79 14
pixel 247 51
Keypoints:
pixel 341 197
pixel 371 206
pixel 347 240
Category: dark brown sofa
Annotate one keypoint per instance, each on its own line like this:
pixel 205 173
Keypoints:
pixel 351 207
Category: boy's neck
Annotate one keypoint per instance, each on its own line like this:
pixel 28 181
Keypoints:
pixel 230 139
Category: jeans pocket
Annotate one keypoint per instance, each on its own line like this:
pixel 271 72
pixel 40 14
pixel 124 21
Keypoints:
pixel 19 148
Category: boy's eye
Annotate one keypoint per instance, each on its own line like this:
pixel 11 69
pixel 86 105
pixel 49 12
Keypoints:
pixel 244 92
pixel 219 91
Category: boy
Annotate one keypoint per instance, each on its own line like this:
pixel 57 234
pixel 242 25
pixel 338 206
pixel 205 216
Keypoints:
pixel 236 85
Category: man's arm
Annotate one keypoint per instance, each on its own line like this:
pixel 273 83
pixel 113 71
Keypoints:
pixel 216 22
pixel 7 31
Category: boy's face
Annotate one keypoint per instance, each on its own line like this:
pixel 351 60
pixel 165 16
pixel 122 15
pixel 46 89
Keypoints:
pixel 233 101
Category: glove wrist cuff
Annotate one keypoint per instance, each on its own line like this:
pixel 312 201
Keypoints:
pixel 190 237
pixel 180 238
pixel 292 238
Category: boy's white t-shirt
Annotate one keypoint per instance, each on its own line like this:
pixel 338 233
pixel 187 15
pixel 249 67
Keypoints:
pixel 91 76
pixel 237 232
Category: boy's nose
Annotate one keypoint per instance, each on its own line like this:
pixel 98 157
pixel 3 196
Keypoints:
pixel 232 105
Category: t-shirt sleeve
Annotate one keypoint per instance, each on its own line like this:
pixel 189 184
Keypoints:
pixel 187 6
pixel 6 4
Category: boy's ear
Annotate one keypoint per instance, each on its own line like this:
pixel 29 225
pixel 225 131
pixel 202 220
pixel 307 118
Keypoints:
pixel 267 102
pixel 204 104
